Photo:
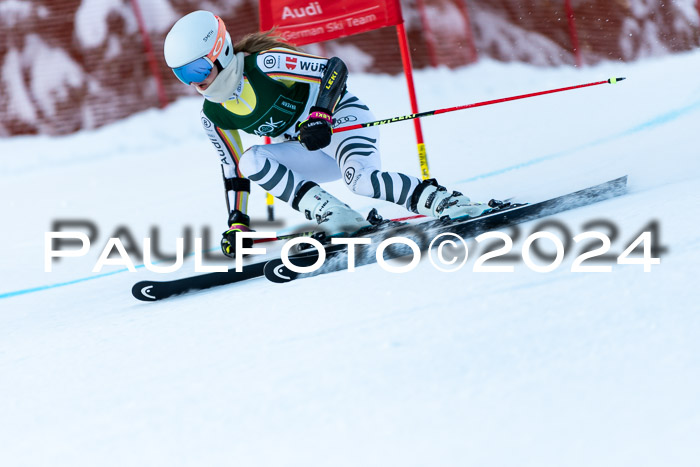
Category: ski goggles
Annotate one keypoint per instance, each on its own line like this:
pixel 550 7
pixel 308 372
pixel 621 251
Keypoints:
pixel 198 70
pixel 194 72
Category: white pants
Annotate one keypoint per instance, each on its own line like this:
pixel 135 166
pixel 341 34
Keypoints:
pixel 282 168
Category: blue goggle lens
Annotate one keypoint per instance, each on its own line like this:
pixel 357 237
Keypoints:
pixel 194 72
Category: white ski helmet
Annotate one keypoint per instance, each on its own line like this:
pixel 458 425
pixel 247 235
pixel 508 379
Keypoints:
pixel 200 34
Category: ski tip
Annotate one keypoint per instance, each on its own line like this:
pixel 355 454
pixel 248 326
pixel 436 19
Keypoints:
pixel 143 291
pixel 276 271
pixel 616 80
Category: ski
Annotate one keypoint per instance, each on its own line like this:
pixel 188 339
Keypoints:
pixel 151 291
pixel 276 271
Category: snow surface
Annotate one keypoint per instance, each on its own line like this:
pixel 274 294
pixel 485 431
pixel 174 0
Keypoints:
pixel 366 368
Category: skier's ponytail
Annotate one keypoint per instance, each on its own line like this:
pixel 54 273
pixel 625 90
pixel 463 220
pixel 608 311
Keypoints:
pixel 260 41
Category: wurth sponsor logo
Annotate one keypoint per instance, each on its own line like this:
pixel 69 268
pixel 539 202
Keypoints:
pixel 292 63
pixel 315 66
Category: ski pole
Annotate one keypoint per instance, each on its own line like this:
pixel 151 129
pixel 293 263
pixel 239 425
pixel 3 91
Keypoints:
pixel 470 106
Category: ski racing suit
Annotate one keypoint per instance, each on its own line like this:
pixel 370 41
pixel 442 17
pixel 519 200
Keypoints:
pixel 277 89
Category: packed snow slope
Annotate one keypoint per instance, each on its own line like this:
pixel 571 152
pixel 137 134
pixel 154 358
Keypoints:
pixel 367 368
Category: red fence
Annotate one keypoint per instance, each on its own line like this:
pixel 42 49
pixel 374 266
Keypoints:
pixel 66 65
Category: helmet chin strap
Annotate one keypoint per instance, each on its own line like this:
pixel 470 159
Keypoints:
pixel 226 83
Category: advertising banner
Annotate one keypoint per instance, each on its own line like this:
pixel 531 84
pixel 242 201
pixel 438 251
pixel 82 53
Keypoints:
pixel 303 22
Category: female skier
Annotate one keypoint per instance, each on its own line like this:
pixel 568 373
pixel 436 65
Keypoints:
pixel 266 87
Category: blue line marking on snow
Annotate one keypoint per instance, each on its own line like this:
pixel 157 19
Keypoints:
pixel 62 284
pixel 654 122
pixel 77 281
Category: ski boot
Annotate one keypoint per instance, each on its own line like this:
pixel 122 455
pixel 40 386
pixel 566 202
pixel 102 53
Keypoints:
pixel 431 199
pixel 333 216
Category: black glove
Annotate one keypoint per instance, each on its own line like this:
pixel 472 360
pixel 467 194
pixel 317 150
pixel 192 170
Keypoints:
pixel 315 132
pixel 238 222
